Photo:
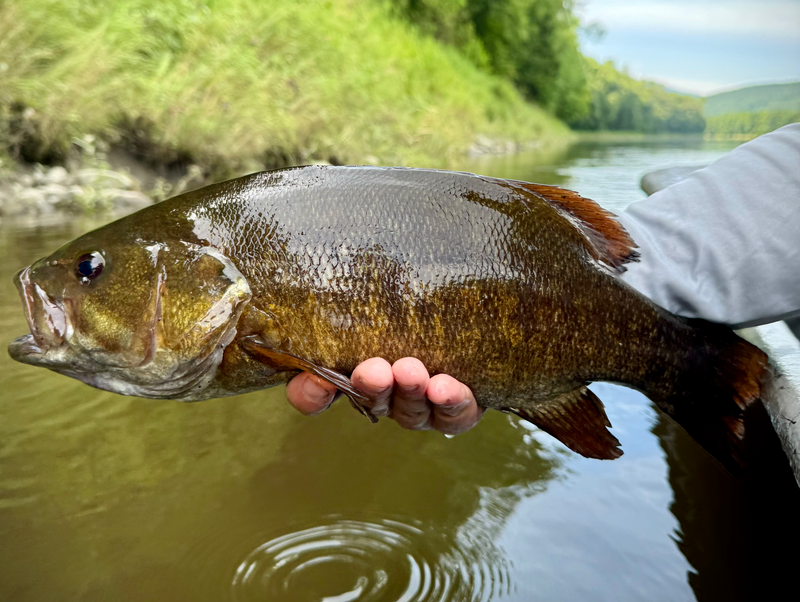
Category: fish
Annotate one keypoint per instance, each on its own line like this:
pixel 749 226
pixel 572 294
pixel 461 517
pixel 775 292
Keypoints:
pixel 511 287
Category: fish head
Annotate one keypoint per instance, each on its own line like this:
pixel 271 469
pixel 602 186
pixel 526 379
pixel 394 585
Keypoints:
pixel 136 316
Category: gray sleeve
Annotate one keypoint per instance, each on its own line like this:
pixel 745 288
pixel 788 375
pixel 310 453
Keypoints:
pixel 724 244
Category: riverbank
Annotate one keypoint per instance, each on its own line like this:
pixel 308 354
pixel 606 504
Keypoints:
pixel 280 84
pixel 630 136
pixel 41 191
pixel 111 181
pixel 94 181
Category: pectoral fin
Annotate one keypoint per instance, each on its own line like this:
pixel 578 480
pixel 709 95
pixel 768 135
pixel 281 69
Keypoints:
pixel 285 361
pixel 578 420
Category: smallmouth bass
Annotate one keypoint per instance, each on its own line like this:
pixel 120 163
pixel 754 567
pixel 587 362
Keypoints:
pixel 508 286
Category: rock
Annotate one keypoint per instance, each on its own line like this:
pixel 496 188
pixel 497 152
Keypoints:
pixel 31 196
pixel 28 201
pixel 104 178
pixel 54 192
pixel 68 205
pixel 661 178
pixel 38 176
pixel 127 200
pixel 484 145
pixel 57 190
pixel 57 175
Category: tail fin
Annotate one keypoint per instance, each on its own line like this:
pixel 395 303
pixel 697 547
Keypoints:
pixel 719 394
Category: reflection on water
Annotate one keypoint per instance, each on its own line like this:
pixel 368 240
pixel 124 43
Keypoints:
pixel 738 534
pixel 107 497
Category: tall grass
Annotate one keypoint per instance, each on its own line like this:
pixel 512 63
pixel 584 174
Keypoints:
pixel 238 84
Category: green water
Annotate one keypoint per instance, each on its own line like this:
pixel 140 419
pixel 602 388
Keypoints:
pixel 105 497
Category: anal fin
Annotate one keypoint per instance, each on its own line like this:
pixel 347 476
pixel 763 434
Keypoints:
pixel 285 361
pixel 578 420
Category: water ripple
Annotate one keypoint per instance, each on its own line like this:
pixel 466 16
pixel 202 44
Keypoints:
pixel 347 560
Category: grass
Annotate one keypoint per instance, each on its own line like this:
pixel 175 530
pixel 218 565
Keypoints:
pixel 235 85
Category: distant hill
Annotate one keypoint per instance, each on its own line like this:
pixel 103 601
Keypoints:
pixel 681 92
pixel 771 97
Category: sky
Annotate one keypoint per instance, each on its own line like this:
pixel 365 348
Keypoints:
pixel 697 46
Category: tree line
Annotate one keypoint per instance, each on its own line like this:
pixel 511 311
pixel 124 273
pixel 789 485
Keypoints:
pixel 619 102
pixel 534 44
pixel 747 125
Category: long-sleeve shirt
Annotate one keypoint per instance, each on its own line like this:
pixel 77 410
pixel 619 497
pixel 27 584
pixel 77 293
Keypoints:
pixel 724 244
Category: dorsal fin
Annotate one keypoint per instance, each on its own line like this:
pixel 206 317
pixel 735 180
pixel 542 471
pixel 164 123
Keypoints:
pixel 610 241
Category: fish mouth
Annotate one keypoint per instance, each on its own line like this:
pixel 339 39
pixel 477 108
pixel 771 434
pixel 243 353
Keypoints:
pixel 47 320
pixel 48 323
pixel 23 283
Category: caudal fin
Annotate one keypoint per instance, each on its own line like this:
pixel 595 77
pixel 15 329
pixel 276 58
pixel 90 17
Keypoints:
pixel 719 393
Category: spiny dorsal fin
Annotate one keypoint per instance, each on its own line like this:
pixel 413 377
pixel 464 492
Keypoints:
pixel 578 420
pixel 612 244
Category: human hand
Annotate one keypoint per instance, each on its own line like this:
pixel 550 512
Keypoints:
pixel 403 391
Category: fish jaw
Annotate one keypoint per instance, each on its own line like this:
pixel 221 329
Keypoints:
pixel 62 358
pixel 25 349
pixel 47 319
pixel 193 384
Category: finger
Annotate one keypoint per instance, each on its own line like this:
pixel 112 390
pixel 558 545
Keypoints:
pixel 310 394
pixel 410 407
pixel 374 378
pixel 454 407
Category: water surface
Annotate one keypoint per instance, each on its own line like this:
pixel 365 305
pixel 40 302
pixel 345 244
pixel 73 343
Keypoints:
pixel 108 497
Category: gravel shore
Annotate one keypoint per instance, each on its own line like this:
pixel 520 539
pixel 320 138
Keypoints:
pixel 41 191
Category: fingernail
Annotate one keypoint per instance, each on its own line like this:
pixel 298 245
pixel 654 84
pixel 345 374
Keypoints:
pixel 380 410
pixel 318 396
pixel 451 409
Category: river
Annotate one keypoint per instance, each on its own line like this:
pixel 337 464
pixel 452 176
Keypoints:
pixel 104 497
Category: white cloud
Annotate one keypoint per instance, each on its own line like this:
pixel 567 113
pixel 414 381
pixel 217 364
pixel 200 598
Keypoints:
pixel 765 18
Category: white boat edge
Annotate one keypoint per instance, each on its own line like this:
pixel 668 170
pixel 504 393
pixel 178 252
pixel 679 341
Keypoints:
pixel 782 394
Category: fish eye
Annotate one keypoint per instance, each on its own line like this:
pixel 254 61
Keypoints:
pixel 89 266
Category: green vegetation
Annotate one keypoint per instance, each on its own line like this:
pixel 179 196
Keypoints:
pixel 751 112
pixel 239 84
pixel 620 102
pixel 749 125
pixel 532 43
pixel 775 97
pixel 235 85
